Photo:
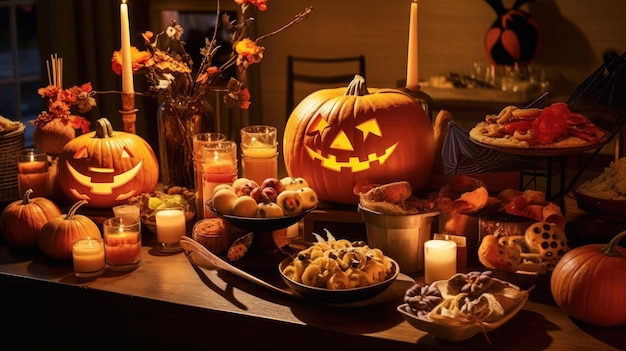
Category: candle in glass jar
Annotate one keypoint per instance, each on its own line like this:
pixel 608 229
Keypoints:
pixel 33 175
pixel 88 257
pixel 259 153
pixel 123 248
pixel 439 260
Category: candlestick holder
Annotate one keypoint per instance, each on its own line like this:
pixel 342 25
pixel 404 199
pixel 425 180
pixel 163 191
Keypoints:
pixel 129 112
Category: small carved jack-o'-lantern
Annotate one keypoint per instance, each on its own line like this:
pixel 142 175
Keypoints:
pixel 106 168
pixel 340 139
pixel 514 37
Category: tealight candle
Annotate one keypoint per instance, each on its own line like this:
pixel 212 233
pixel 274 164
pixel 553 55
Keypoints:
pixel 88 257
pixel 439 260
pixel 170 227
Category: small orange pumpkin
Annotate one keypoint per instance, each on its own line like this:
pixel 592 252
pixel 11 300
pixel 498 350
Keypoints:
pixel 341 139
pixel 589 283
pixel 22 220
pixel 57 236
pixel 107 167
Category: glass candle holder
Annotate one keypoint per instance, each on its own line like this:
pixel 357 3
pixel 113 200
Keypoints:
pixel 259 153
pixel 32 172
pixel 219 166
pixel 122 243
pixel 199 141
pixel 88 257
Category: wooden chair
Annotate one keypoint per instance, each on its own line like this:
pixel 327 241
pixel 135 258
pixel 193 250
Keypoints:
pixel 327 72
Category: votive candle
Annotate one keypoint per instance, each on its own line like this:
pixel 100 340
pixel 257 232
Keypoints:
pixel 88 257
pixel 439 260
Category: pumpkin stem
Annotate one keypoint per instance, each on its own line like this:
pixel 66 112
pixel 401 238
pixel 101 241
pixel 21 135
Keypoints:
pixel 26 200
pixel 103 128
pixel 74 208
pixel 497 6
pixel 611 248
pixel 357 87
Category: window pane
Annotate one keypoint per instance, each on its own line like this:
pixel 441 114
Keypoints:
pixel 7 102
pixel 28 50
pixel 30 107
pixel 6 68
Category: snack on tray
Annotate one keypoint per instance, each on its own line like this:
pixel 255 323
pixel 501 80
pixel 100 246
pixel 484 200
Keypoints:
pixel 553 127
pixel 475 297
pixel 537 251
pixel 610 185
pixel 464 194
pixel 395 199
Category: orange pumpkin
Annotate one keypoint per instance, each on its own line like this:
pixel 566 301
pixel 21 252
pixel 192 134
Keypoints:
pixel 57 236
pixel 107 167
pixel 22 220
pixel 589 283
pixel 341 139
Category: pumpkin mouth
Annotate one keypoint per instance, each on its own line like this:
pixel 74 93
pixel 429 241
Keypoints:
pixel 353 163
pixel 104 188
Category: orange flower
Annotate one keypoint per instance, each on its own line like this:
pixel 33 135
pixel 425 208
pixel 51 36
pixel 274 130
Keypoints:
pixel 139 59
pixel 238 94
pixel 248 52
pixel 260 4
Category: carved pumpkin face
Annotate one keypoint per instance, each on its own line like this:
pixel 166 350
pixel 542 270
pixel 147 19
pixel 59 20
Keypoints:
pixel 339 141
pixel 106 168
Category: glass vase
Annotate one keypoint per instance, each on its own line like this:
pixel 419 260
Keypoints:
pixel 179 119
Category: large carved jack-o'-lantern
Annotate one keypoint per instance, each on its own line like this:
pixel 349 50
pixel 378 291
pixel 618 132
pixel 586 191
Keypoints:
pixel 107 167
pixel 340 139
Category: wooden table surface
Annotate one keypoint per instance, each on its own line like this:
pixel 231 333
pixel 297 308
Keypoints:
pixel 168 302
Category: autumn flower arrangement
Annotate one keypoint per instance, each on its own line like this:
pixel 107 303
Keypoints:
pixel 169 69
pixel 57 125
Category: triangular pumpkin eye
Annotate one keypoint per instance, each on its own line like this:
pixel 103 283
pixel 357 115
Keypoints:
pixel 342 142
pixel 318 125
pixel 126 153
pixel 369 126
pixel 81 153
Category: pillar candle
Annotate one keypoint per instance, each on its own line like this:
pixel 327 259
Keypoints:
pixel 412 77
pixel 170 225
pixel 439 260
pixel 127 61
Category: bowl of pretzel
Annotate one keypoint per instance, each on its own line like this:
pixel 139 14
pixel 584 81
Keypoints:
pixel 338 271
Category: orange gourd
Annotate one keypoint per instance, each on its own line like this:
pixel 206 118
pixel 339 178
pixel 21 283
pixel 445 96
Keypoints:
pixel 589 283
pixel 57 236
pixel 107 167
pixel 22 220
pixel 343 138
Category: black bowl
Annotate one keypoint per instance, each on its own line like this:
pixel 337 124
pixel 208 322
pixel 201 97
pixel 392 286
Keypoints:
pixel 342 296
pixel 255 224
pixel 604 208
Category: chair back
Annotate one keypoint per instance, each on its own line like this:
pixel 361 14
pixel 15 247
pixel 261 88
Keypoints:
pixel 320 72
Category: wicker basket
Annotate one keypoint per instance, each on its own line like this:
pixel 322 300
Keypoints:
pixel 10 143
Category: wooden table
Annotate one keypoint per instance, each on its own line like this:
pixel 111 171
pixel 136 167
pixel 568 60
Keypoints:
pixel 168 302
